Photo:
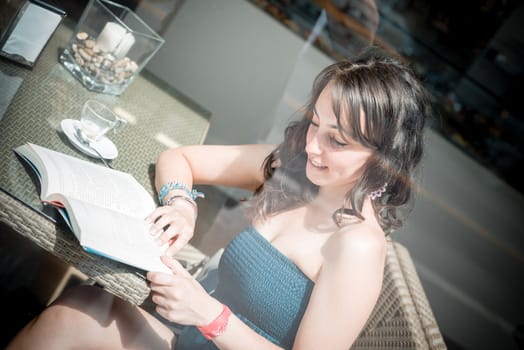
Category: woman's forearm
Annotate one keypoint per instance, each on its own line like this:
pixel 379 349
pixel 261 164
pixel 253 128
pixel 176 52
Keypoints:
pixel 236 330
pixel 172 166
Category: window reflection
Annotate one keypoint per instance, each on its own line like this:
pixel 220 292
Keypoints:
pixel 470 55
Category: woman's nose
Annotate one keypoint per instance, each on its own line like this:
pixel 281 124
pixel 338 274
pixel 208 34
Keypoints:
pixel 313 143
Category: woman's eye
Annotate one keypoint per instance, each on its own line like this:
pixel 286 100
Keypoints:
pixel 336 143
pixel 315 124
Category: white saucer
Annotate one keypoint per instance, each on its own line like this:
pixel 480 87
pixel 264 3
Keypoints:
pixel 105 146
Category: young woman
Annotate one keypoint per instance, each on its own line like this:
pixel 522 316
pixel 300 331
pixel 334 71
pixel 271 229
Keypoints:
pixel 307 271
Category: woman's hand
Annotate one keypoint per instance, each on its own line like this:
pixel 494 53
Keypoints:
pixel 180 298
pixel 173 224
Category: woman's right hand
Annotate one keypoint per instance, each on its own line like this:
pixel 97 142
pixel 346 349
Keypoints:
pixel 180 297
pixel 173 224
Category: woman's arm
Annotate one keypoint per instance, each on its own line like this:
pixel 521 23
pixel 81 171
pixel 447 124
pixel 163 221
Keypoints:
pixel 233 166
pixel 181 299
pixel 345 291
pixel 236 166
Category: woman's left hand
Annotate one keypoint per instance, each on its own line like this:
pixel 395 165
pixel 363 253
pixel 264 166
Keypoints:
pixel 180 298
pixel 178 220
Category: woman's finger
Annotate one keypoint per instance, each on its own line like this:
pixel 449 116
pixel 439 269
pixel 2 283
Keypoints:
pixel 160 278
pixel 159 211
pixel 171 233
pixel 158 299
pixel 175 266
pixel 170 219
pixel 162 222
pixel 177 244
pixel 162 311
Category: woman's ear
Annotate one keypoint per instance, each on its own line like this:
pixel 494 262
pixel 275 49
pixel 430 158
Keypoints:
pixel 276 163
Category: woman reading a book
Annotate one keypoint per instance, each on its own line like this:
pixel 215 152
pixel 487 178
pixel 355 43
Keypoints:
pixel 307 271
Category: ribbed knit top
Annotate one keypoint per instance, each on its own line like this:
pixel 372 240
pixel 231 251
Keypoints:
pixel 262 287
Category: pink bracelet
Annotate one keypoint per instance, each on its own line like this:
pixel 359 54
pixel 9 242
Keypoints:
pixel 218 326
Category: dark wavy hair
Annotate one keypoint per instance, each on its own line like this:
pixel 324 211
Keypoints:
pixel 395 106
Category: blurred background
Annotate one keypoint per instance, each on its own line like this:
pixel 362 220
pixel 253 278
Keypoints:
pixel 251 63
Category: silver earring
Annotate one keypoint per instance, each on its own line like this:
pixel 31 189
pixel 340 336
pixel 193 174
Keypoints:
pixel 378 193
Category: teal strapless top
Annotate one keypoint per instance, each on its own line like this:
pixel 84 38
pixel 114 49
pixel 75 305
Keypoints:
pixel 262 287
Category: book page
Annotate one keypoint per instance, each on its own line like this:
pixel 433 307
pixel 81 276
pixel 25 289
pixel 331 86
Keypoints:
pixel 89 182
pixel 116 235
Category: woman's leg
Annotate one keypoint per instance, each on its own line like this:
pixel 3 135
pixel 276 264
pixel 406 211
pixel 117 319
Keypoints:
pixel 89 318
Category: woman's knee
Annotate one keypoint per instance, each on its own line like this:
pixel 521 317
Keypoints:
pixel 93 316
pixel 79 302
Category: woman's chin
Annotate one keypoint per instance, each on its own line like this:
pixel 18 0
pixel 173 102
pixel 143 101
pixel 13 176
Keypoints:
pixel 316 174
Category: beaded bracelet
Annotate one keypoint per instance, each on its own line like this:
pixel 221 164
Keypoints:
pixel 186 199
pixel 170 186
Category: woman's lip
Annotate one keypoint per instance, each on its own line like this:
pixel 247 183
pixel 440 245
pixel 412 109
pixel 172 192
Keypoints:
pixel 316 165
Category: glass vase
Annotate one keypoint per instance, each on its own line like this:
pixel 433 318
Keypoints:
pixel 109 47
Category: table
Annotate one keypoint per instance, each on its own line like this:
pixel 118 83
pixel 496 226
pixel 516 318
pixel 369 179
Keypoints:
pixel 32 105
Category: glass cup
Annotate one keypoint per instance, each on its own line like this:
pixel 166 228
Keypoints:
pixel 97 119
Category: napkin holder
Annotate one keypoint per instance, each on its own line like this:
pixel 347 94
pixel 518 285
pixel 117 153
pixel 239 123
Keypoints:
pixel 25 28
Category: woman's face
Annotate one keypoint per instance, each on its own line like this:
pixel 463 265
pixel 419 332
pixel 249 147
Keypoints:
pixel 334 161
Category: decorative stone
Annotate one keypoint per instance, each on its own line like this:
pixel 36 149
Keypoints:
pixel 106 64
pixel 100 65
pixel 82 35
pixel 90 43
pixel 79 60
pixel 132 66
pixel 85 55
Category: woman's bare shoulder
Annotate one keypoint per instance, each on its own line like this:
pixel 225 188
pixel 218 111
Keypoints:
pixel 357 241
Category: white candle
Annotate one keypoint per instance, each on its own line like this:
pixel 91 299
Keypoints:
pixel 115 37
pixel 125 44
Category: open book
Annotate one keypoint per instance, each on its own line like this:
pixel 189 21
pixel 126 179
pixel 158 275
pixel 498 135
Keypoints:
pixel 104 208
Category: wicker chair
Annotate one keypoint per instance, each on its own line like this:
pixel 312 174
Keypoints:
pixel 402 317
